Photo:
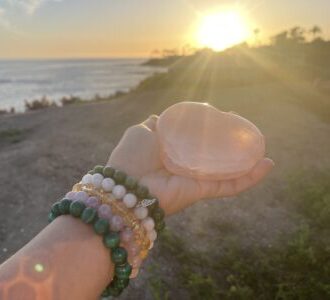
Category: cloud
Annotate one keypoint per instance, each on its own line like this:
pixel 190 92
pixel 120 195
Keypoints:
pixel 29 6
pixel 10 8
pixel 3 20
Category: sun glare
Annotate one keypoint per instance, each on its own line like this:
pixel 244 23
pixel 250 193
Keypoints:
pixel 222 30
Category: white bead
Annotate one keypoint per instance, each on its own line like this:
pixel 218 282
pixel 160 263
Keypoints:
pixel 118 191
pixel 129 200
pixel 87 179
pixel 152 235
pixel 81 196
pixel 148 223
pixel 108 184
pixel 151 245
pixel 141 212
pixel 97 180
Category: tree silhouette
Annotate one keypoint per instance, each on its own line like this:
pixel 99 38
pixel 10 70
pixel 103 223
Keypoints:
pixel 281 38
pixel 256 33
pixel 297 34
pixel 315 30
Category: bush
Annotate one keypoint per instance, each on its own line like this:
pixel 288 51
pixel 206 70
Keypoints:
pixel 298 267
pixel 12 135
pixel 71 100
pixel 36 104
pixel 5 111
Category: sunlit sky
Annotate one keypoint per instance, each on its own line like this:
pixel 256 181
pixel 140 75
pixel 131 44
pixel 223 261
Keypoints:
pixel 107 28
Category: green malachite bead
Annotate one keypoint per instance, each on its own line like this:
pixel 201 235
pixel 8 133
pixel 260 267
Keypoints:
pixel 88 215
pixel 159 226
pixel 120 283
pixel 158 214
pixel 105 292
pixel 98 169
pixel 51 217
pixel 64 206
pixel 91 172
pixel 108 171
pixel 142 191
pixel 152 207
pixel 76 208
pixel 123 271
pixel 56 208
pixel 101 226
pixel 119 177
pixel 119 255
pixel 111 240
pixel 130 183
pixel 114 291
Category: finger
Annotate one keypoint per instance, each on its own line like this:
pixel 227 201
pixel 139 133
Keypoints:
pixel 151 122
pixel 236 186
pixel 225 188
pixel 137 152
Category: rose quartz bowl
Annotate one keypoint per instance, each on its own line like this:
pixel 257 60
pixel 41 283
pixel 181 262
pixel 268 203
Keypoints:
pixel 199 141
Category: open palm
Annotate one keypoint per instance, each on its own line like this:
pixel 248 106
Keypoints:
pixel 138 154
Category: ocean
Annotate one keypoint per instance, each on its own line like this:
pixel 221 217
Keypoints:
pixel 32 79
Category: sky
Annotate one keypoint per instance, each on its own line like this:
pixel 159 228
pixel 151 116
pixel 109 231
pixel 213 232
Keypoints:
pixel 123 28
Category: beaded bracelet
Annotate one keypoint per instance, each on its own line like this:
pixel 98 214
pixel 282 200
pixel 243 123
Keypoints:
pixel 110 186
pixel 118 183
pixel 111 240
pixel 118 208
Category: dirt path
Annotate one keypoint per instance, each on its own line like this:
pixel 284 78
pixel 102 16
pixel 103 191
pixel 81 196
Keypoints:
pixel 58 145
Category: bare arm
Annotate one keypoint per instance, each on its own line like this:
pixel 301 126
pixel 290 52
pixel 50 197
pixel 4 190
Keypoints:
pixel 66 260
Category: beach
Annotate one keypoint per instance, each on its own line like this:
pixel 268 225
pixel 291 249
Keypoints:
pixel 43 153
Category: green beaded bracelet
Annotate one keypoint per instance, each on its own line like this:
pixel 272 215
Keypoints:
pixel 111 240
pixel 141 191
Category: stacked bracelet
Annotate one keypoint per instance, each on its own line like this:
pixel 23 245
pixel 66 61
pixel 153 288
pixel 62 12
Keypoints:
pixel 129 190
pixel 123 212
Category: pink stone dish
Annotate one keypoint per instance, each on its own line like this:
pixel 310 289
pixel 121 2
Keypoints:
pixel 199 141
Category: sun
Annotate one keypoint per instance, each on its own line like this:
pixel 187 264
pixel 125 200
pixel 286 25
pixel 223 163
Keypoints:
pixel 222 30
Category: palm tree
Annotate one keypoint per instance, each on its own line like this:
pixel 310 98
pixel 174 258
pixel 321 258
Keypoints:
pixel 315 30
pixel 297 34
pixel 256 33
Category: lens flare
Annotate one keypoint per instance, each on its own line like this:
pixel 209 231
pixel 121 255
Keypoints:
pixel 39 268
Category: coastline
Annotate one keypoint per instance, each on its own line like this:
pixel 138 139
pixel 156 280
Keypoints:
pixel 59 82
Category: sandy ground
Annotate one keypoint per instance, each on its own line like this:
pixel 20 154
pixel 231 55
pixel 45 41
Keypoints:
pixel 59 145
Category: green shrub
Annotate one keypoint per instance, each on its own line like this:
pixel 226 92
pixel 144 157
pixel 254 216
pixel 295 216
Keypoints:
pixel 36 104
pixel 12 135
pixel 68 100
pixel 298 267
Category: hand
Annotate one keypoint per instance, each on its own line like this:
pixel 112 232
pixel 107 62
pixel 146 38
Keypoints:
pixel 138 154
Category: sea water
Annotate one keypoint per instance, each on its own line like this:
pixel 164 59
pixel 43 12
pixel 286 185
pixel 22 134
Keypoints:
pixel 32 79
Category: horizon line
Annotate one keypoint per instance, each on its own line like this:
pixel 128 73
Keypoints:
pixel 74 57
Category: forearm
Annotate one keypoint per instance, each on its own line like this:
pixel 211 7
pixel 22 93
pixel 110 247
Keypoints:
pixel 66 260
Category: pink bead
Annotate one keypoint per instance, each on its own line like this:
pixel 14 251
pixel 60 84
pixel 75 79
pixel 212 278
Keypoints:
pixel 134 273
pixel 148 223
pixel 133 249
pixel 152 235
pixel 92 202
pixel 116 223
pixel 104 211
pixel 136 261
pixel 70 195
pixel 126 235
